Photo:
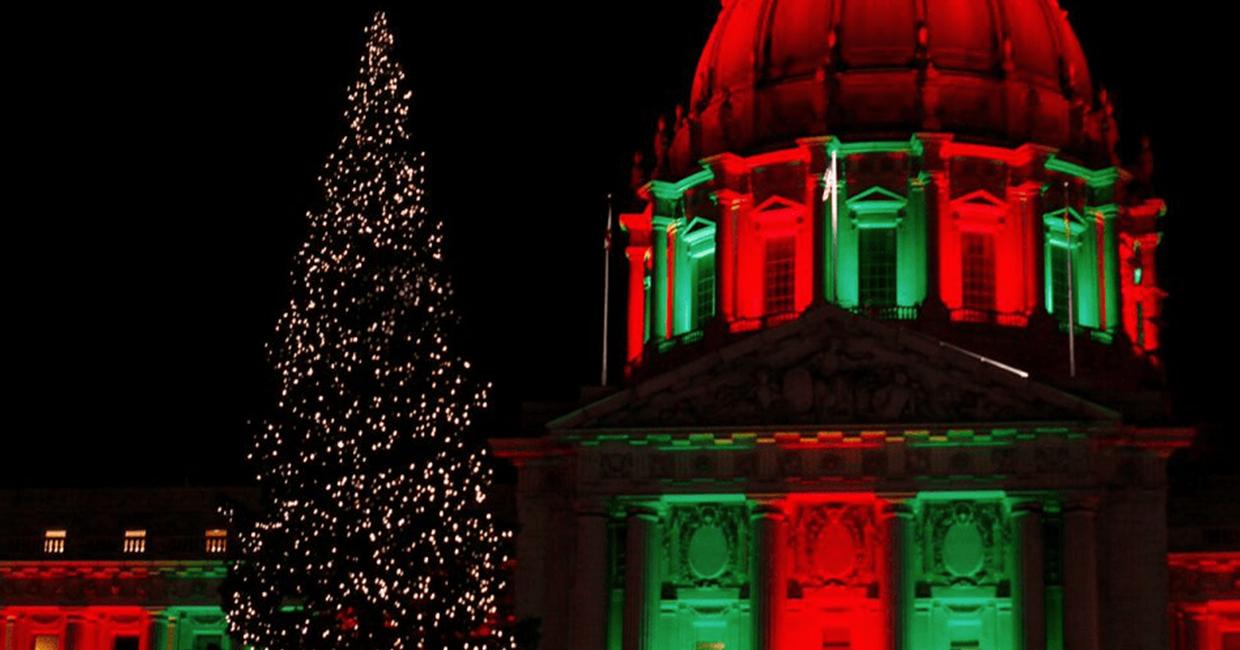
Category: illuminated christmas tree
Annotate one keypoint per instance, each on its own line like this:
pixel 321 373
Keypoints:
pixel 373 532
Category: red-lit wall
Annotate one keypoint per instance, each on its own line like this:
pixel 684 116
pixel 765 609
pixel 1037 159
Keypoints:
pixel 79 628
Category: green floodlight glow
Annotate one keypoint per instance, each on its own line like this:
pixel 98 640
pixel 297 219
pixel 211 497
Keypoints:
pixel 877 208
pixel 1096 179
pixel 703 569
pixel 912 146
pixel 666 191
pixel 962 578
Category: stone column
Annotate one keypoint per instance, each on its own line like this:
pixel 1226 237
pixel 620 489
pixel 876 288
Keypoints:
pixel 589 601
pixel 171 633
pixel 897 516
pixel 73 632
pixel 1196 629
pixel 1080 575
pixel 659 282
pixel 10 628
pixel 637 317
pixel 530 581
pixel 1027 517
pixel 725 256
pixel 640 588
pixel 1134 524
pixel 766 594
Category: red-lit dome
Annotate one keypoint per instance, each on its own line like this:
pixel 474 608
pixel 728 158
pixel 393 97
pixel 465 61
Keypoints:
pixel 998 71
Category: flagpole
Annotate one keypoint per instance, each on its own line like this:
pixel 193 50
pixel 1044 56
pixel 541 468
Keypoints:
pixel 606 286
pixel 1067 226
pixel 832 191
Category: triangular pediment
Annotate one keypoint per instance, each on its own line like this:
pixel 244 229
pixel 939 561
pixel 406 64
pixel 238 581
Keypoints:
pixel 777 203
pixel 876 195
pixel 699 224
pixel 981 198
pixel 833 368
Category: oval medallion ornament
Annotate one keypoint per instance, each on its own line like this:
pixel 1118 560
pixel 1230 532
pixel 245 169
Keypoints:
pixel 836 552
pixel 708 552
pixel 963 549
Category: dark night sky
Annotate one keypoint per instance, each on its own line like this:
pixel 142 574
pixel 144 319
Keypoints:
pixel 166 159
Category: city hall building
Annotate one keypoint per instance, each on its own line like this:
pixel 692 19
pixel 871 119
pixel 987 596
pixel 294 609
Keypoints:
pixel 892 382
pixel 893 377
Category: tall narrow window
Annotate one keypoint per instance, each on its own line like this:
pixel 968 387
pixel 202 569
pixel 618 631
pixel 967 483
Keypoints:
pixel 780 276
pixel 978 275
pixel 877 267
pixel 704 307
pixel 1059 282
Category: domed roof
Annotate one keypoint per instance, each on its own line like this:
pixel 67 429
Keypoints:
pixel 1004 71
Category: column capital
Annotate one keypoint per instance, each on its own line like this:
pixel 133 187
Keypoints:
pixel 636 253
pixel 591 507
pixel 1081 505
pixel 1026 507
pixel 732 198
pixel 641 511
pixel 897 505
pixel 767 510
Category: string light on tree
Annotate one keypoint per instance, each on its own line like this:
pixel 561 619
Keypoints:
pixel 374 532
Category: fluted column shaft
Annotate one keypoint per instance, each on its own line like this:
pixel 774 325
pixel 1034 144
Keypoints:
pixel 1080 576
pixel 589 598
pixel 640 590
pixel 898 526
pixel 1028 520
pixel 768 598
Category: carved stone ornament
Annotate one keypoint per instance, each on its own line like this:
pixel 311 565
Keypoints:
pixel 614 466
pixel 829 366
pixel 967 543
pixel 706 545
pixel 833 545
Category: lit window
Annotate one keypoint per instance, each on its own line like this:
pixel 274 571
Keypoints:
pixel 1060 282
pixel 47 641
pixel 705 304
pixel 978 273
pixel 217 540
pixel 54 542
pixel 780 276
pixel 877 277
pixel 135 541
